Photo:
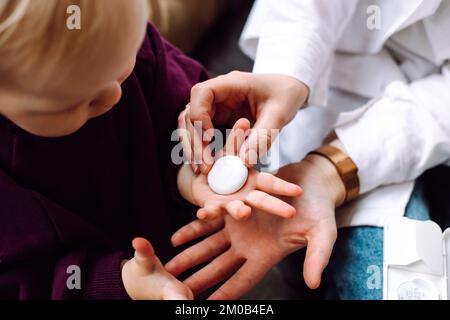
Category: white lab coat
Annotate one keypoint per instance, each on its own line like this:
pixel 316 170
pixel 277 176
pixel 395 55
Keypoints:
pixel 385 92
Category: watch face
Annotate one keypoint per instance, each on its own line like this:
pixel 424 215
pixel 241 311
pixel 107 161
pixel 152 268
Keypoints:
pixel 417 289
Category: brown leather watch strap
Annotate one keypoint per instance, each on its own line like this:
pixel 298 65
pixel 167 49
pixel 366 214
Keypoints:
pixel 347 169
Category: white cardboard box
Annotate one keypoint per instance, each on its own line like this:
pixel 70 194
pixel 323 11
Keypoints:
pixel 416 260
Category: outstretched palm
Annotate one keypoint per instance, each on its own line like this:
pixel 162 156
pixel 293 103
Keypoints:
pixel 247 250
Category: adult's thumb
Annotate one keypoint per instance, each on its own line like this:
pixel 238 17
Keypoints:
pixel 318 254
pixel 261 137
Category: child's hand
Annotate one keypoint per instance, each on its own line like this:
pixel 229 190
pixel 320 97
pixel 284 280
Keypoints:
pixel 145 278
pixel 256 193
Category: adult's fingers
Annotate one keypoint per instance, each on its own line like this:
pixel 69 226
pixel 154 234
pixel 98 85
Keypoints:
pixel 227 88
pixel 262 135
pixel 202 104
pixel 231 89
pixel 242 281
pixel 201 112
pixel 269 183
pixel 144 253
pixel 318 254
pixel 195 230
pixel 199 253
pixel 260 200
pixel 237 137
pixel 217 270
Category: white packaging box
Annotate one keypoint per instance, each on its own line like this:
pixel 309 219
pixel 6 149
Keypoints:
pixel 416 260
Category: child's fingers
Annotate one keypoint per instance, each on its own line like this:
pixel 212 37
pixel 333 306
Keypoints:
pixel 216 271
pixel 199 253
pixel 271 184
pixel 205 215
pixel 260 200
pixel 176 296
pixel 185 138
pixel 238 209
pixel 211 211
pixel 202 155
pixel 196 140
pixel 195 230
pixel 177 291
pixel 237 137
pixel 144 253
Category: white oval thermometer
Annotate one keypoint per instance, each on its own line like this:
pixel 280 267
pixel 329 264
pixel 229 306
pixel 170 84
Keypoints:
pixel 228 175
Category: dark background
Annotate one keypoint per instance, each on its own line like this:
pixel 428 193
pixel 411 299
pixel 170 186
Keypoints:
pixel 219 51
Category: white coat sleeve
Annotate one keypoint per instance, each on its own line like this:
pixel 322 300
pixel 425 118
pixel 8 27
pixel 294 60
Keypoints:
pixel 402 134
pixel 295 37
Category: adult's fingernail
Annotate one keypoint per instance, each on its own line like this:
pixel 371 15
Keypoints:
pixel 196 169
pixel 208 136
pixel 201 215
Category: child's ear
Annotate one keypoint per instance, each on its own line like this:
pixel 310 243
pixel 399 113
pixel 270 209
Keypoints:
pixel 106 99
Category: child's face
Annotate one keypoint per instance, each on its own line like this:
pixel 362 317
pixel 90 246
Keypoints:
pixel 91 88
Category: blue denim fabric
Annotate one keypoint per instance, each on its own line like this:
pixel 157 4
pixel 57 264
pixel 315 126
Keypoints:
pixel 356 260
pixel 358 257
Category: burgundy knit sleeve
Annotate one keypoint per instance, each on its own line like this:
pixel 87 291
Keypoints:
pixel 39 244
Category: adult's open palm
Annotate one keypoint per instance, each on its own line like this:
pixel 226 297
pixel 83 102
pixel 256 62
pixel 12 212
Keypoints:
pixel 244 251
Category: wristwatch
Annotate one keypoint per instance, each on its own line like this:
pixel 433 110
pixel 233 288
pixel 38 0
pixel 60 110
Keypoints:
pixel 347 169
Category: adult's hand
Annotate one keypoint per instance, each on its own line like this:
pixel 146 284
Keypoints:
pixel 269 101
pixel 244 251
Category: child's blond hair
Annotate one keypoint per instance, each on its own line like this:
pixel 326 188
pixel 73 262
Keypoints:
pixel 35 38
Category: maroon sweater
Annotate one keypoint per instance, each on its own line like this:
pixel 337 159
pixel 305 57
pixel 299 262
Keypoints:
pixel 81 199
